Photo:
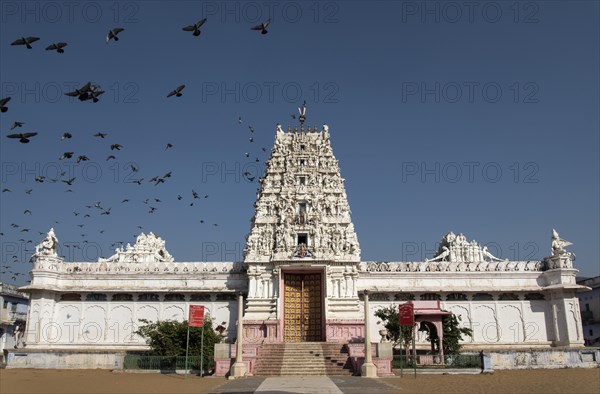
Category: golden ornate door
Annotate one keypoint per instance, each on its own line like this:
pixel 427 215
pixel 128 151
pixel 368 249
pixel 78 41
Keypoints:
pixel 302 308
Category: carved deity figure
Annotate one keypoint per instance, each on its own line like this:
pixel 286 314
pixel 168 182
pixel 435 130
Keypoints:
pixel 558 245
pixel 49 246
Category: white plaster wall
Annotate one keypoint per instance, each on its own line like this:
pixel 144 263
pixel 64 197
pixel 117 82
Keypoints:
pixel 494 323
pixel 110 323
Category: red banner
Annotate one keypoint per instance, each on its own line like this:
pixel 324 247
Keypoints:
pixel 196 316
pixel 407 314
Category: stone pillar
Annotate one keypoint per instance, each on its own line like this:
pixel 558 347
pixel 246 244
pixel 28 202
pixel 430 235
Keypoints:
pixel 368 369
pixel 238 370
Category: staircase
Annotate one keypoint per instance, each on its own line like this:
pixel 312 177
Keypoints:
pixel 303 358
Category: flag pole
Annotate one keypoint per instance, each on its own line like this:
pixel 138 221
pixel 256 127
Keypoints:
pixel 202 352
pixel 187 346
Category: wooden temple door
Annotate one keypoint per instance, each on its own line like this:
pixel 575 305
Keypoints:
pixel 303 310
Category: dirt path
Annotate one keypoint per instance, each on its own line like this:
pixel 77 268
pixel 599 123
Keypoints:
pixel 577 381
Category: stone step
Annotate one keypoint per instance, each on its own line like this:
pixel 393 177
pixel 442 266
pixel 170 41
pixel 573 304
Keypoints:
pixel 303 359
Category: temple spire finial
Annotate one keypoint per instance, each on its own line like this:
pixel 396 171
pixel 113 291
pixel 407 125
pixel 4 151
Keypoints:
pixel 302 111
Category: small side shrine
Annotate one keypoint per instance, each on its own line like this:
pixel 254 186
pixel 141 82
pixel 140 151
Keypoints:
pixel 428 318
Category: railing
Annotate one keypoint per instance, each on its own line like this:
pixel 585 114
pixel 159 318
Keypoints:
pixel 425 361
pixel 136 361
pixel 161 363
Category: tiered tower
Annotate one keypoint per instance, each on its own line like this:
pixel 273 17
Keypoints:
pixel 302 251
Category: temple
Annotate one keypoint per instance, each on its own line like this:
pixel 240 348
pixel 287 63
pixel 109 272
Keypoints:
pixel 302 278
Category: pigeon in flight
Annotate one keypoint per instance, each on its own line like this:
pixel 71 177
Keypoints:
pixel 176 92
pixel 23 137
pixel 116 146
pixel 87 92
pixel 113 34
pixel 69 181
pixel 25 41
pixel 66 136
pixel 101 135
pixel 17 124
pixel 58 47
pixel 81 93
pixel 82 158
pixel 262 27
pixel 3 102
pixel 169 145
pixel 111 157
pixel 66 155
pixel 195 27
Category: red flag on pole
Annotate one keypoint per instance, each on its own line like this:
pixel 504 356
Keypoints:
pixel 196 316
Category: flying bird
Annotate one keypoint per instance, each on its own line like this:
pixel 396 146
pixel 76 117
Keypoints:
pixel 66 155
pixel 81 93
pixel 169 145
pixel 17 124
pixel 58 47
pixel 82 158
pixel 69 181
pixel 23 138
pixel 262 27
pixel 88 91
pixel 65 136
pixel 112 35
pixel 101 135
pixel 111 157
pixel 3 102
pixel 116 146
pixel 195 27
pixel 27 41
pixel 176 92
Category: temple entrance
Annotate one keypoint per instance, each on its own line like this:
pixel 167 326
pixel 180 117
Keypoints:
pixel 303 307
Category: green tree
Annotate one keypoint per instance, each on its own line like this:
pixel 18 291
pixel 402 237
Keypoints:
pixel 453 334
pixel 391 321
pixel 168 339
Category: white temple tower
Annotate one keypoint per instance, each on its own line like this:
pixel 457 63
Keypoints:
pixel 302 252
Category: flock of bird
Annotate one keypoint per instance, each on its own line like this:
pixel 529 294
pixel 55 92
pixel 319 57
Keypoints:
pixel 92 92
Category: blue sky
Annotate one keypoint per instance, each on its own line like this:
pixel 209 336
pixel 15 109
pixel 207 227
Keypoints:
pixel 480 118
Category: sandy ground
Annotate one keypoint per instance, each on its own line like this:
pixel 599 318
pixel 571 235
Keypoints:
pixel 572 381
pixel 576 381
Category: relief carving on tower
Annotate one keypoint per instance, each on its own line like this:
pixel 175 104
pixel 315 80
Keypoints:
pixel 302 211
